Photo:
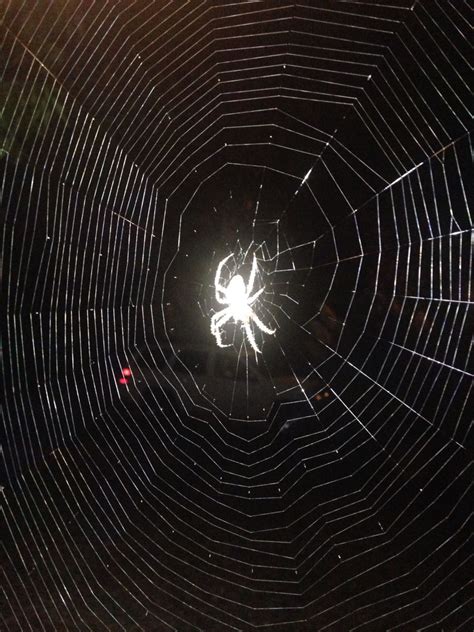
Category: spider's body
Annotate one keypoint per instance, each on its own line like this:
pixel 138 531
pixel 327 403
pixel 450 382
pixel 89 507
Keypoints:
pixel 238 300
pixel 237 297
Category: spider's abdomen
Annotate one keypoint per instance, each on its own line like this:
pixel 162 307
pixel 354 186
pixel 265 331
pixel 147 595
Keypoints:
pixel 237 298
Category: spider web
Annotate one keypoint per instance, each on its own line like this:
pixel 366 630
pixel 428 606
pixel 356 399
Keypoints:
pixel 154 481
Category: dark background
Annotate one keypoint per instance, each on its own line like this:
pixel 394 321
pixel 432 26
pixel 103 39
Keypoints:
pixel 141 142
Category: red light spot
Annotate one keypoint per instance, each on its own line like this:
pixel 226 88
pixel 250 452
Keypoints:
pixel 126 371
pixel 123 380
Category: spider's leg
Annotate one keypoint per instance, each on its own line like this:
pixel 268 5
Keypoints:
pixel 253 272
pixel 215 331
pixel 218 319
pixel 221 299
pixel 250 336
pixel 217 283
pixel 224 318
pixel 259 323
pixel 253 298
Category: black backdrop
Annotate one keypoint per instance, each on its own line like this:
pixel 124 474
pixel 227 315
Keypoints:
pixel 154 481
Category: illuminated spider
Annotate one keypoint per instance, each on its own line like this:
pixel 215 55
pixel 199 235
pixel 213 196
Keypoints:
pixel 238 300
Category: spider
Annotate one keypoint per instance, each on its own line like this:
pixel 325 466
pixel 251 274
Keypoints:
pixel 238 300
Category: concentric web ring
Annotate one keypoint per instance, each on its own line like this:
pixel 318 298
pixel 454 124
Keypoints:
pixel 318 479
